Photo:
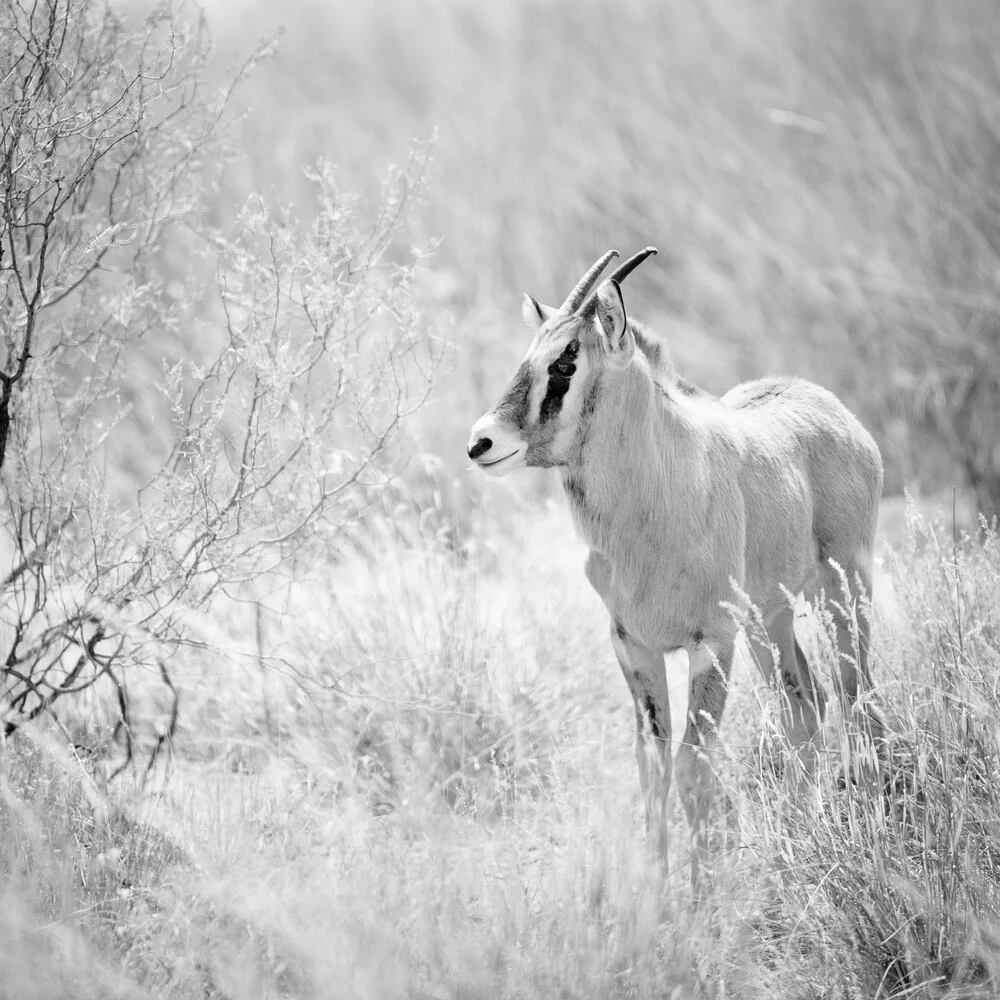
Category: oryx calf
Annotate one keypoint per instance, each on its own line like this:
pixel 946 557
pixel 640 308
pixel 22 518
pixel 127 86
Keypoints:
pixel 678 494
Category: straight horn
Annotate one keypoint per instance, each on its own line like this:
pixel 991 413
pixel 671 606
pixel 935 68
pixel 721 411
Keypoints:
pixel 584 285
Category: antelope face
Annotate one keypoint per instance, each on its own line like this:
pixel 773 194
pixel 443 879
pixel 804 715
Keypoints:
pixel 541 419
pixel 538 421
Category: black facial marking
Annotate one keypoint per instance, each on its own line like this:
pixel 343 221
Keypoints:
pixel 620 631
pixel 560 372
pixel 513 405
pixel 697 635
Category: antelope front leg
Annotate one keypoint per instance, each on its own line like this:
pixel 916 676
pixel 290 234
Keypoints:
pixel 710 664
pixel 647 680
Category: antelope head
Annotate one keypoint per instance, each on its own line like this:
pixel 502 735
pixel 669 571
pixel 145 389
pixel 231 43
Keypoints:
pixel 541 418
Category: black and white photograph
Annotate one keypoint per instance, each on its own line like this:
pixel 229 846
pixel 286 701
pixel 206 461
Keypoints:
pixel 500 501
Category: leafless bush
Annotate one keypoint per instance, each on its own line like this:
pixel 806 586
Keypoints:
pixel 181 409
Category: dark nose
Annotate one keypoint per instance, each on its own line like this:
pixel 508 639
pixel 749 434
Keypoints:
pixel 482 446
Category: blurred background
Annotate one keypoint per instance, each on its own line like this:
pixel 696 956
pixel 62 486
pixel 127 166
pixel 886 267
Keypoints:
pixel 350 713
pixel 820 177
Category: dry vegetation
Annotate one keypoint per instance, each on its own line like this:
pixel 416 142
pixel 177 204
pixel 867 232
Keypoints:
pixel 440 800
pixel 402 765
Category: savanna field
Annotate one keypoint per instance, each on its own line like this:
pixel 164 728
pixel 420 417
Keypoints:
pixel 294 702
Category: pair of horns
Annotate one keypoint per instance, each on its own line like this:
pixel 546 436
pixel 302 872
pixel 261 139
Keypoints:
pixel 577 298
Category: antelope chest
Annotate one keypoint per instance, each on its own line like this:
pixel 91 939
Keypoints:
pixel 661 572
pixel 652 606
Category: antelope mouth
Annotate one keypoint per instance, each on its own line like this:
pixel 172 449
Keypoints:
pixel 506 463
pixel 497 461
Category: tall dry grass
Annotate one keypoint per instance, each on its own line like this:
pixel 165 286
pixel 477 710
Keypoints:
pixel 440 800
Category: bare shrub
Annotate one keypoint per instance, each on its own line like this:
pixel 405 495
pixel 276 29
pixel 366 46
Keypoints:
pixel 182 410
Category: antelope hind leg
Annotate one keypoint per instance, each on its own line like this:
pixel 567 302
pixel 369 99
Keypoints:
pixel 804 702
pixel 647 681
pixel 853 676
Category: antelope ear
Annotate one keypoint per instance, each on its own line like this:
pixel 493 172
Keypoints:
pixel 610 314
pixel 534 313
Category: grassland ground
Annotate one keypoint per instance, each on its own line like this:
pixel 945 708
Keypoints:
pixel 417 780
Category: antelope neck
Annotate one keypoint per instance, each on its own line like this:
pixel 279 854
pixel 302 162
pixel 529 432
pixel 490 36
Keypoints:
pixel 624 482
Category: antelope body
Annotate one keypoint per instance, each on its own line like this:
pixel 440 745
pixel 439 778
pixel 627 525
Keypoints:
pixel 679 495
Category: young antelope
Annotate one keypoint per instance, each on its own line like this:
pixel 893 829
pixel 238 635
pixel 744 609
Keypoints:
pixel 678 495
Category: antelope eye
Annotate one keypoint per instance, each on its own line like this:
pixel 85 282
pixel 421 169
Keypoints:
pixel 563 365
